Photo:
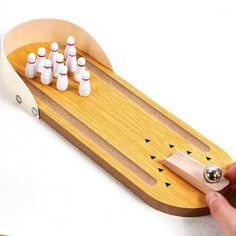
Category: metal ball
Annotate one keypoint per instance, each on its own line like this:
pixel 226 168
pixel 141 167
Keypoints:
pixel 212 174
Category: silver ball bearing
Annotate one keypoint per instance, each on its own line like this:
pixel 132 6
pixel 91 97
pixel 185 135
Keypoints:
pixel 212 174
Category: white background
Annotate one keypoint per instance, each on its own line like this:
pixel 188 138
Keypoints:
pixel 180 53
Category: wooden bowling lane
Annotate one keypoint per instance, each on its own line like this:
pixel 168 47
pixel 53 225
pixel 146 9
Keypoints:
pixel 113 125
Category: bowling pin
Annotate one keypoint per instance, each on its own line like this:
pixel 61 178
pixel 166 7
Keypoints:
pixel 46 75
pixel 30 70
pixel 58 65
pixel 84 86
pixel 40 59
pixel 70 44
pixel 62 80
pixel 71 60
pixel 53 53
pixel 80 69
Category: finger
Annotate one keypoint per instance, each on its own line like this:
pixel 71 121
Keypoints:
pixel 230 165
pixel 231 174
pixel 222 211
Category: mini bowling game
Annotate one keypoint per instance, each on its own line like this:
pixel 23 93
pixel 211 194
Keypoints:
pixel 161 159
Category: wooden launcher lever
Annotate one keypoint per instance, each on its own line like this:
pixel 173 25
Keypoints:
pixel 192 171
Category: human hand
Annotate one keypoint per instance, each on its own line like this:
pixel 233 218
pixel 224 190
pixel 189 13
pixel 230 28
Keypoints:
pixel 220 208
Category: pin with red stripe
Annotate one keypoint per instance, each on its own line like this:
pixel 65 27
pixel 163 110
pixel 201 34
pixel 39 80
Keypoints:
pixel 30 70
pixel 46 75
pixel 59 63
pixel 84 86
pixel 40 59
pixel 71 59
pixel 62 80
pixel 53 53
pixel 70 43
pixel 80 69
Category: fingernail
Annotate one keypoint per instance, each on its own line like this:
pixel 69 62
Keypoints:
pixel 211 197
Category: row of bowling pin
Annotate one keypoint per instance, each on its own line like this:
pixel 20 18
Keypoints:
pixel 44 67
pixel 56 61
pixel 56 58
pixel 60 72
pixel 69 55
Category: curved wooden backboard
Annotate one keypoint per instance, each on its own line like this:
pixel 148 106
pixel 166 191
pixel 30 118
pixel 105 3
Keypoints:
pixel 41 30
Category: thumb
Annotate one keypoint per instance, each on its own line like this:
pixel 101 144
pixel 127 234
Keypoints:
pixel 222 211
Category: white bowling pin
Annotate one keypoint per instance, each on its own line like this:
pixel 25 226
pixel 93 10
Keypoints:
pixel 80 69
pixel 71 60
pixel 40 59
pixel 46 75
pixel 58 65
pixel 30 70
pixel 53 53
pixel 84 86
pixel 62 80
pixel 70 44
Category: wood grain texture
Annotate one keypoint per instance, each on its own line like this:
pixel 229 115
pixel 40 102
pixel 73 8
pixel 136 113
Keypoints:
pixel 192 171
pixel 126 133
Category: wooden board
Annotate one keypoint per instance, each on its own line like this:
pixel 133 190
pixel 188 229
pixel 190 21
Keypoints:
pixel 126 133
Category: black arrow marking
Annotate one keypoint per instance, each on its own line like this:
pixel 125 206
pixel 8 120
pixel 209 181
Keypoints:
pixel 208 158
pixel 147 140
pixel 153 157
pixel 167 184
pixel 188 152
pixel 160 170
pixel 171 145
